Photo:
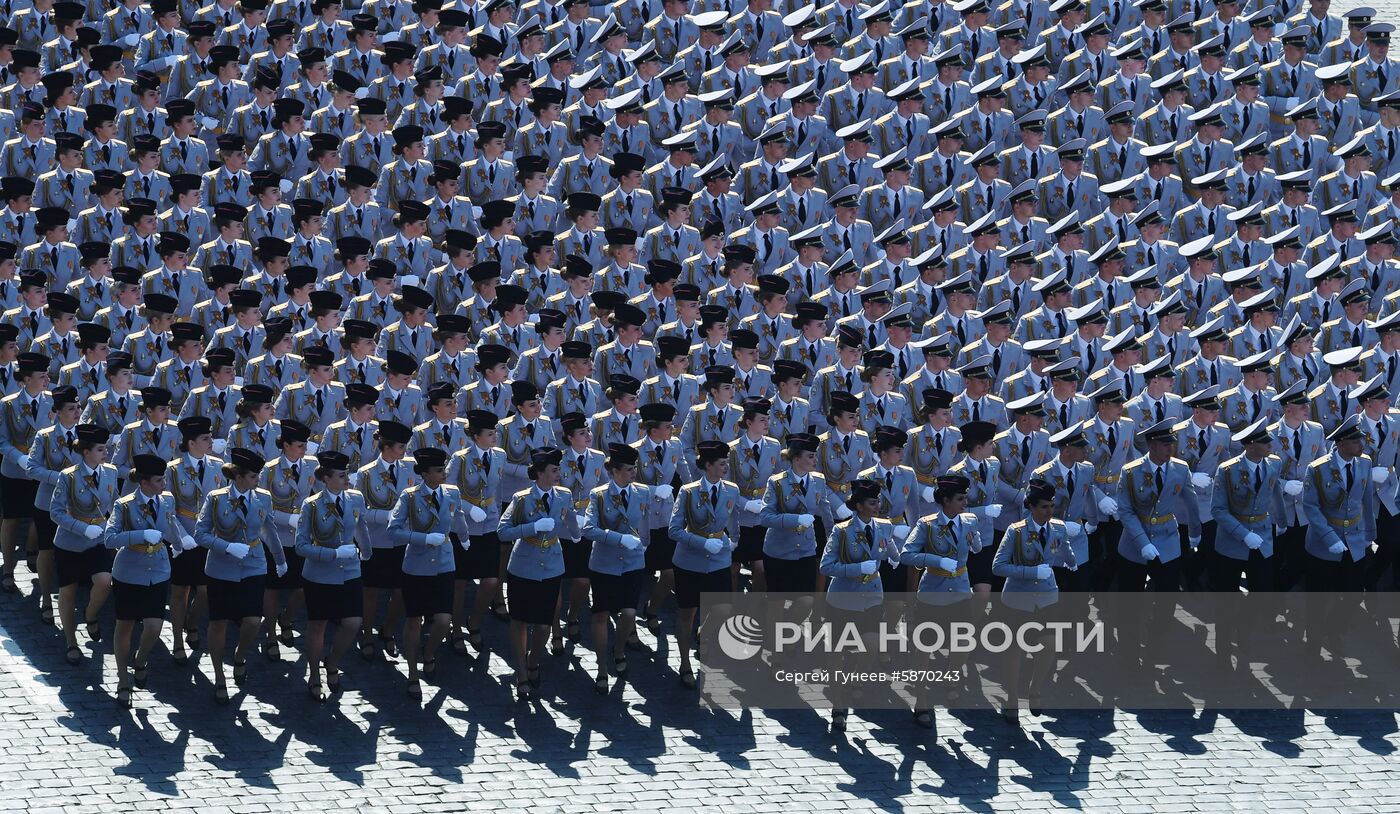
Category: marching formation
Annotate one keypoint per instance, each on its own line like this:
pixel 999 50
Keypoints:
pixel 403 318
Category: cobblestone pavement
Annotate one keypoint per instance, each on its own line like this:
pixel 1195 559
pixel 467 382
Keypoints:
pixel 66 746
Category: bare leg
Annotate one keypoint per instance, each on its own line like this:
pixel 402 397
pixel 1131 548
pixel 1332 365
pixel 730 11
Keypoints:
pixel 486 592
pixel 659 591
pixel 685 634
pixel 412 633
pixel 68 613
pixel 46 579
pixel 437 631
pixel 314 644
pixel 518 633
pixel 97 597
pixel 179 610
pixel 150 636
pixel 626 624
pixel 344 637
pixel 247 636
pixel 121 651
pixel 218 636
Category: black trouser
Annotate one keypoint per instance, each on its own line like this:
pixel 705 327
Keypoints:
pixel 1103 555
pixel 1196 564
pixel 1327 614
pixel 1289 557
pixel 1387 552
pixel 1225 573
pixel 1165 576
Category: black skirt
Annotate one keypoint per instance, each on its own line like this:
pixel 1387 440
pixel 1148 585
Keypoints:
pixel 482 560
pixel 293 578
pixel 577 553
pixel 979 565
pixel 661 550
pixel 137 602
pixel 617 592
pixel 690 584
pixel 750 546
pixel 384 568
pixel 188 568
pixel 532 601
pixel 17 499
pixel 427 596
pixel 325 603
pixel 44 529
pixel 235 601
pixel 78 567
pixel 790 576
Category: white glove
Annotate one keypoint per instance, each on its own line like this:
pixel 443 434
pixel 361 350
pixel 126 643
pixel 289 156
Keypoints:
pixel 713 545
pixel 1292 488
pixel 293 520
pixel 237 381
pixel 390 36
pixel 1090 528
pixel 544 525
pixel 362 92
pixel 533 319
pixel 869 567
pixel 129 40
pixel 1195 542
pixel 92 532
pixel 281 569
pixel 900 532
pixel 843 513
pixel 1072 528
pixel 187 542
pixel 580 519
pixel 806 520
pixel 465 543
pixel 1290 103
pixel 209 122
pixel 631 541
pixel 947 564
pixel 1108 506
pixel 753 506
pixel 730 543
pixel 410 279
pixel 1253 540
pixel 1043 571
pixel 347 552
pixel 476 514
pixel 312 447
pixel 476 213
pixel 237 550
pixel 927 494
pixel 151 535
pixel 994 510
pixel 663 492
pixel 72 225
pixel 1379 474
pixel 436 538
pixel 285 186
pixel 160 64
pixel 219 445
pixel 1200 480
pixel 1150 552
pixel 1337 547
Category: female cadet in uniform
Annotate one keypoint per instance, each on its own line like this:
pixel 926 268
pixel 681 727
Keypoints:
pixel 792 502
pixel 1026 557
pixel 474 471
pixel 660 463
pixel 189 479
pixel 140 526
pixel 880 402
pixel 288 481
pixel 616 516
pixel 256 429
pixel 422 522
pixel 51 453
pixel 753 458
pixel 580 472
pixel 325 541
pixel 21 415
pixel 531 523
pixel 234 524
pixel 700 524
pixel 380 482
pixel 851 561
pixel 898 496
pixel 984 499
pixel 81 503
pixel 940 545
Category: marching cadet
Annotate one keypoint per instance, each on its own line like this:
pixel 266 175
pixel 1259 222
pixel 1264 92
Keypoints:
pixel 54 449
pixel 354 435
pixel 1155 402
pixel 181 374
pixel 114 405
pixel 246 336
pixel 659 302
pixel 25 412
pixel 316 400
pixel 380 482
pixel 753 460
pixel 218 397
pixel 400 398
pixel 288 480
pixel 532 524
pixel 1380 432
pixel 325 540
pixel 1349 328
pixel 470 471
pixel 899 497
pixel 880 403
pixel 1299 362
pixel 942 545
pixel 575 390
pixel 153 434
pixel 1072 479
pixel 141 526
pixel 1336 488
pixel 1021 448
pixel 1064 406
pixel 700 524
pixel 277 366
pixel 1151 492
pixel 715 419
pixel 1331 401
pixel 82 500
pixel 619 425
pixel 423 522
pixel 189 478
pixel 87 374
